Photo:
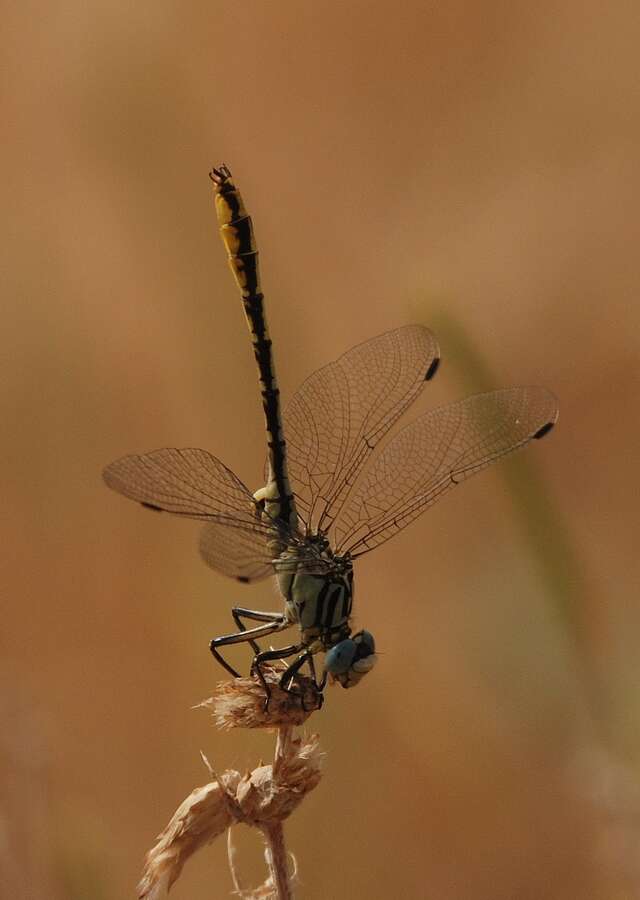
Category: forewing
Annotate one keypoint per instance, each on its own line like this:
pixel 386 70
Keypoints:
pixel 433 454
pixel 194 484
pixel 343 410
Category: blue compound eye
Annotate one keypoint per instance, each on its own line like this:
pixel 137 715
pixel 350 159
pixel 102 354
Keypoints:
pixel 338 660
pixel 365 644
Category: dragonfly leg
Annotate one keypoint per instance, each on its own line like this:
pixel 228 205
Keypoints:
pixel 266 656
pixel 320 685
pixel 253 615
pixel 289 675
pixel 312 669
pixel 244 636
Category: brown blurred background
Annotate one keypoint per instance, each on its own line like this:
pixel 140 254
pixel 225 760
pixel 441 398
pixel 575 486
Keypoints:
pixel 472 167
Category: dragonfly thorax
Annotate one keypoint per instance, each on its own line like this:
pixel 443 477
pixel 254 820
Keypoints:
pixel 318 597
pixel 320 602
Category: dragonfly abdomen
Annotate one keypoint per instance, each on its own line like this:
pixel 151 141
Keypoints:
pixel 237 234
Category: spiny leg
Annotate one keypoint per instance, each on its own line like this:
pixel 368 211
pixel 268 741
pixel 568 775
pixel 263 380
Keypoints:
pixel 266 656
pixel 320 685
pixel 291 673
pixel 244 636
pixel 254 615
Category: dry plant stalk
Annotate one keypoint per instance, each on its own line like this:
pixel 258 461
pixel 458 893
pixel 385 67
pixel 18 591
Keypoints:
pixel 263 798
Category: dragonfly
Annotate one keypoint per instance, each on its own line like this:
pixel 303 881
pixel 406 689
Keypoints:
pixel 344 481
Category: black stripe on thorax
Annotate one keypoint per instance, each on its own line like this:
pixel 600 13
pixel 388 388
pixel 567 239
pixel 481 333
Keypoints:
pixel 332 603
pixel 320 601
pixel 346 604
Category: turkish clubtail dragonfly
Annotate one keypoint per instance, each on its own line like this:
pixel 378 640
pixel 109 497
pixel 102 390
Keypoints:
pixel 332 493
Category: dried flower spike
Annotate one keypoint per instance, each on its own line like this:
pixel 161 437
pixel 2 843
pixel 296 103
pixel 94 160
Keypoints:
pixel 262 798
pixel 240 703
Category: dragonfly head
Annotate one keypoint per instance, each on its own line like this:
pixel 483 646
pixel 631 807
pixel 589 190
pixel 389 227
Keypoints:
pixel 350 659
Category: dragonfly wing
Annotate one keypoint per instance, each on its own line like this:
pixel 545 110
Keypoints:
pixel 194 484
pixel 238 553
pixel 433 454
pixel 343 410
